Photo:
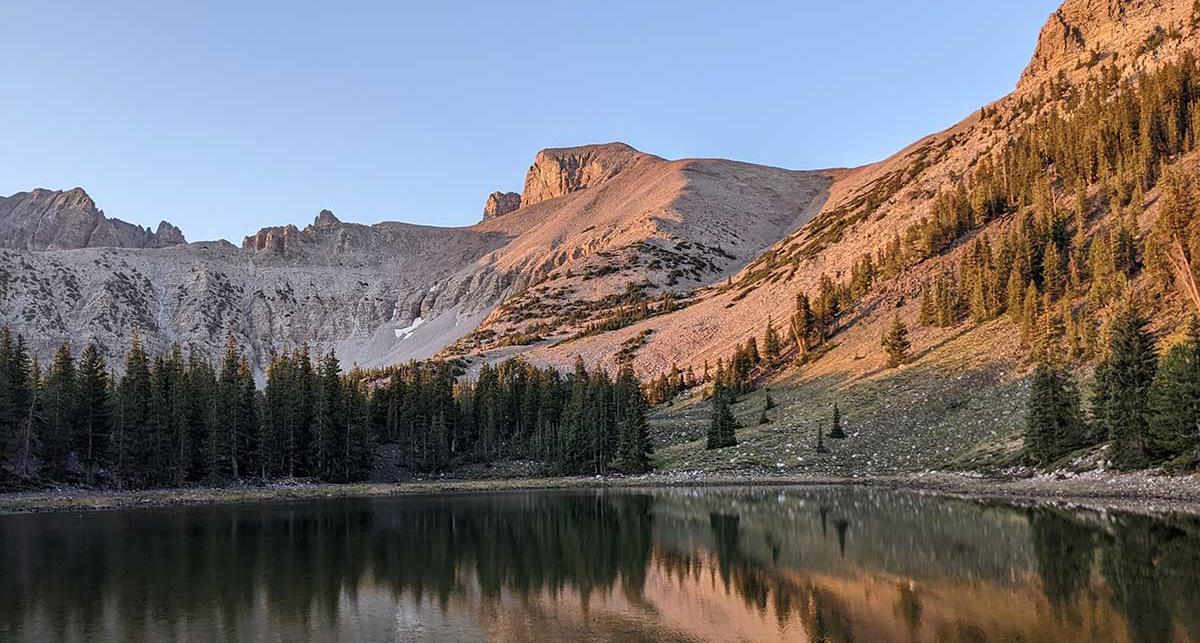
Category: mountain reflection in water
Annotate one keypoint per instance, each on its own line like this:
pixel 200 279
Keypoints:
pixel 753 564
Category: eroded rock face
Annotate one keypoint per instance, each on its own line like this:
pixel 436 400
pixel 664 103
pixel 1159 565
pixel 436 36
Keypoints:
pixel 1130 34
pixel 501 203
pixel 559 171
pixel 70 220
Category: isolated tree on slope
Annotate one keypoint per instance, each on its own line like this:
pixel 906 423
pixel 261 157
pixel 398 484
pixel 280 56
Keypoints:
pixel 896 343
pixel 836 431
pixel 721 430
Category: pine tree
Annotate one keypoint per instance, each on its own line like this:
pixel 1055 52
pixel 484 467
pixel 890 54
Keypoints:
pixel 1174 399
pixel 771 346
pixel 15 394
pixel 132 444
pixel 721 429
pixel 1054 282
pixel 328 418
pixel 802 325
pixel 1054 424
pixel 633 446
pixel 94 424
pixel 1127 376
pixel 836 432
pixel 896 344
pixel 60 412
pixel 928 310
pixel 575 428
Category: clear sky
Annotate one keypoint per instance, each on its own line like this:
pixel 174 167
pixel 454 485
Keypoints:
pixel 224 117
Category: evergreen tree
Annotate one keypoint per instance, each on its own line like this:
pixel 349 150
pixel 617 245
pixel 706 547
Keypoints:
pixel 1174 401
pixel 771 347
pixel 633 446
pixel 721 429
pixel 328 418
pixel 1124 380
pixel 802 325
pixel 836 432
pixel 15 395
pixel 94 414
pixel 575 429
pixel 61 412
pixel 896 344
pixel 1054 425
pixel 132 445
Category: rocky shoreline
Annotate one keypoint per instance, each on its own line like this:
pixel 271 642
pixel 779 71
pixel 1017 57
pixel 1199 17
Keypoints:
pixel 1132 492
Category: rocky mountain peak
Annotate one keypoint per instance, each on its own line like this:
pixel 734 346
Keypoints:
pixel 559 171
pixel 326 219
pixel 169 235
pixel 1133 35
pixel 69 220
pixel 500 204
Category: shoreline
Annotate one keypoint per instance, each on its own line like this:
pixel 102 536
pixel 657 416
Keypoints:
pixel 1130 492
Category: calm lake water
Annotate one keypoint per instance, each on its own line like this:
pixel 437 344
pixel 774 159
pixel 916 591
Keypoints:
pixel 805 564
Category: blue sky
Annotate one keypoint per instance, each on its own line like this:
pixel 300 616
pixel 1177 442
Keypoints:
pixel 224 118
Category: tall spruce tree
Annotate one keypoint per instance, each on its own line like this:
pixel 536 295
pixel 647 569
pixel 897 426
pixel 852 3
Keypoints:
pixel 1124 385
pixel 633 445
pixel 328 418
pixel 722 427
pixel 15 394
pixel 132 445
pixel 1174 427
pixel 61 411
pixel 1054 424
pixel 94 426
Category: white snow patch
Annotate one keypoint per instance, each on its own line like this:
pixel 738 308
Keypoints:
pixel 404 333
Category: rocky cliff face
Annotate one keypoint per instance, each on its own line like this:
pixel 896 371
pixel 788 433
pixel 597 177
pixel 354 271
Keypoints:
pixel 556 172
pixel 500 204
pixel 55 220
pixel 1133 35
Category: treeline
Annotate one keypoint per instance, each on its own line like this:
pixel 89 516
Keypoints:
pixel 583 422
pixel 1145 405
pixel 178 419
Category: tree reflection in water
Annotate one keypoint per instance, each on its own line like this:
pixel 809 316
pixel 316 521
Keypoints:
pixel 664 565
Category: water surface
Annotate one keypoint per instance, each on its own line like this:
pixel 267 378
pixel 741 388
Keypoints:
pixel 752 564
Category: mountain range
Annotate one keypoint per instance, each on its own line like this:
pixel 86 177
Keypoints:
pixel 610 253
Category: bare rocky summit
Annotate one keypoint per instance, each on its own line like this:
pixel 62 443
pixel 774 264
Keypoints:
pixel 55 220
pixel 556 172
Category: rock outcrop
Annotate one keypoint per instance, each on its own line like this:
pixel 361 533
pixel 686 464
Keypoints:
pixel 501 203
pixel 70 220
pixel 559 171
pixel 1133 35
